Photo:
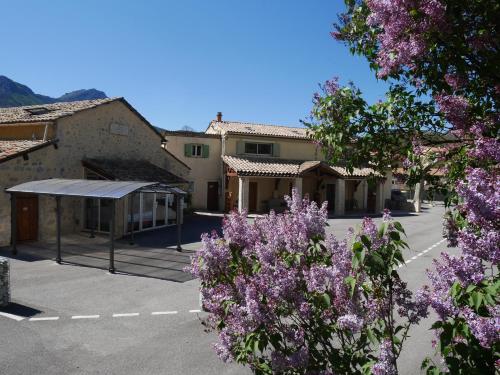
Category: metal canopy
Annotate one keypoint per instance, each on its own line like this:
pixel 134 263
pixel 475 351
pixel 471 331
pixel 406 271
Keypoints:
pixel 60 187
pixel 80 188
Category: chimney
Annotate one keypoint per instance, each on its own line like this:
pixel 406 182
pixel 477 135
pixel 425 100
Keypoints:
pixel 219 116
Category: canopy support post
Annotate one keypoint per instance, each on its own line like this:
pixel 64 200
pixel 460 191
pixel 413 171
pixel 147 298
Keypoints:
pixel 58 225
pixel 132 222
pixel 92 235
pixel 13 223
pixel 179 222
pixel 112 239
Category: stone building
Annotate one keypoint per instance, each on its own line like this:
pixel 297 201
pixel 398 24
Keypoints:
pixel 252 166
pixel 92 139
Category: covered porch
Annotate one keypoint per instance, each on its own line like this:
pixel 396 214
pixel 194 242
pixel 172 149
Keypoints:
pixel 258 185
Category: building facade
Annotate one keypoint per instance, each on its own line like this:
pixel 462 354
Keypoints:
pixel 93 139
pixel 255 165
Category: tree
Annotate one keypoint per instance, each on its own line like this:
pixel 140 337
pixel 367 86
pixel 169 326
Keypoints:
pixel 441 58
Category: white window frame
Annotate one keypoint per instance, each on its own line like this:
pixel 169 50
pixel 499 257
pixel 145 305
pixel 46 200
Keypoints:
pixel 195 147
pixel 141 211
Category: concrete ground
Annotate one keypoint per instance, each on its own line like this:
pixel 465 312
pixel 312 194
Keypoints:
pixel 83 320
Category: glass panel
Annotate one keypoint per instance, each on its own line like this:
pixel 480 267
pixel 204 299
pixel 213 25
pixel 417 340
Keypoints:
pixel 160 209
pixel 265 148
pixel 250 148
pixel 91 213
pixel 172 209
pixel 136 206
pixel 105 215
pixel 147 210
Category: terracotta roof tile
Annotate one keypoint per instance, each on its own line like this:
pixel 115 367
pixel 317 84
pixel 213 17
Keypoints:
pixel 12 148
pixel 247 166
pixel 248 128
pixel 47 112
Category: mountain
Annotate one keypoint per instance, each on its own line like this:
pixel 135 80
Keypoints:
pixel 13 94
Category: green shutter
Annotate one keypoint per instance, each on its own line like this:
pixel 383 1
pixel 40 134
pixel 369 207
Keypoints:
pixel 240 147
pixel 204 151
pixel 187 149
pixel 276 149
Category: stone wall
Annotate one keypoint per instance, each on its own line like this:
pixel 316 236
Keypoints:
pixel 87 134
pixel 4 282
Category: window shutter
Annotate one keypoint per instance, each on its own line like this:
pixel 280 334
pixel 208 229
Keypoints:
pixel 204 151
pixel 276 149
pixel 187 149
pixel 240 147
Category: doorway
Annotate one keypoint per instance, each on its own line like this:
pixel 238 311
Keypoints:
pixel 252 197
pixel 330 196
pixel 213 196
pixel 27 218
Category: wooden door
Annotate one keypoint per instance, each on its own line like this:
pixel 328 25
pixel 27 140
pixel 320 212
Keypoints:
pixel 213 196
pixel 27 218
pixel 252 197
pixel 330 196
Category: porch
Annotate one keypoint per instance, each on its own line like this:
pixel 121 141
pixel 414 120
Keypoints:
pixel 259 185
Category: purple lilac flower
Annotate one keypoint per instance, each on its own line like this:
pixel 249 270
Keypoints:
pixel 402 37
pixel 385 364
pixel 350 322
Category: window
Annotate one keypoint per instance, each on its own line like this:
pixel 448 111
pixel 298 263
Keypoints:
pixel 196 150
pixel 259 148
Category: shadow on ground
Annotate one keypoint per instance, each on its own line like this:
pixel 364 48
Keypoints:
pixel 153 253
pixel 20 310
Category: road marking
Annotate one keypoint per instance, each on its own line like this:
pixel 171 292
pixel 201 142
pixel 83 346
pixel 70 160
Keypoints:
pixel 194 311
pixel 12 316
pixel 423 252
pixel 85 317
pixel 164 312
pixel 125 315
pixel 44 318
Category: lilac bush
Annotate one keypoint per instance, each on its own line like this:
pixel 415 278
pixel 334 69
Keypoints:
pixel 446 51
pixel 285 297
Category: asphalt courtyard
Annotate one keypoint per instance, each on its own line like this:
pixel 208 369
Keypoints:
pixel 76 318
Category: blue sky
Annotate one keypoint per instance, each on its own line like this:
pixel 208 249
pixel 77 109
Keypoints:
pixel 180 62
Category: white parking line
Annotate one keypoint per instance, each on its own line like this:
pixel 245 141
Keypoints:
pixel 194 311
pixel 85 316
pixel 125 315
pixel 12 316
pixel 164 312
pixel 44 318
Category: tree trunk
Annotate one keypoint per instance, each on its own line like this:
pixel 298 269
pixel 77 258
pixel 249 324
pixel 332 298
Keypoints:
pixel 417 197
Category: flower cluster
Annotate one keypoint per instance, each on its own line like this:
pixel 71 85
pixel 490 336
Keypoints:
pixel 405 24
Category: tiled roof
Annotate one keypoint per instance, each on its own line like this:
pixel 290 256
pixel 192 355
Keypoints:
pixel 248 128
pixel 132 170
pixel 47 112
pixel 187 133
pixel 12 148
pixel 263 166
pixel 357 172
pixel 245 166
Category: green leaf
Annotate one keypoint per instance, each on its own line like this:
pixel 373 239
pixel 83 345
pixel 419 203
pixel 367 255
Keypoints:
pixel 455 289
pixel 371 336
pixel 399 227
pixel 326 299
pixel 351 283
pixel 394 236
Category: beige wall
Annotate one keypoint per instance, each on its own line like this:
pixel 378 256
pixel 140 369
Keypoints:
pixel 295 149
pixel 26 131
pixel 203 170
pixel 86 134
